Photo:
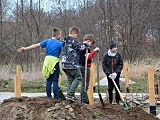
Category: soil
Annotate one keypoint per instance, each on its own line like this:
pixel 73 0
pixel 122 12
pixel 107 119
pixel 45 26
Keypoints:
pixel 43 108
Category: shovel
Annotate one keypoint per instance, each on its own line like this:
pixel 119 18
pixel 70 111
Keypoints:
pixel 60 93
pixel 124 101
pixel 100 96
pixel 85 78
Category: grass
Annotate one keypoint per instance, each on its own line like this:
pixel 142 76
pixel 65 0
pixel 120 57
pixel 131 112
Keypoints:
pixel 99 114
pixel 35 82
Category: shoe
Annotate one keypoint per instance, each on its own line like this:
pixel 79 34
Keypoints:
pixel 117 102
pixel 75 98
pixel 68 97
pixel 110 102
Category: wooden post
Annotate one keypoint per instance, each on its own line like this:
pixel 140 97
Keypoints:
pixel 92 80
pixel 126 75
pixel 151 90
pixel 17 82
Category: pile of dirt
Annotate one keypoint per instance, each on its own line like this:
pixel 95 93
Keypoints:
pixel 42 108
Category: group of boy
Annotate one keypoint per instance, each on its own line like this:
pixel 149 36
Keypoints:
pixel 73 62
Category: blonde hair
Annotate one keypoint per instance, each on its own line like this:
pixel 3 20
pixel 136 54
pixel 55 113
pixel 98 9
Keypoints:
pixel 56 31
pixel 89 37
pixel 74 29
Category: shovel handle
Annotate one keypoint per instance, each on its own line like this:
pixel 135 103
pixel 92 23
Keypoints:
pixel 85 72
pixel 118 89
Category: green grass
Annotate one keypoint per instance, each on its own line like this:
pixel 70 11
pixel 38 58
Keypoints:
pixel 39 85
pixel 98 114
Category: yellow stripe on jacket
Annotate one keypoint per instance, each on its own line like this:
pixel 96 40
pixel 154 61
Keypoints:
pixel 48 65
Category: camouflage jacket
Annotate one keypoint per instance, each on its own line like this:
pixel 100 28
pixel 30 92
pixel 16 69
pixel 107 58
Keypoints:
pixel 70 57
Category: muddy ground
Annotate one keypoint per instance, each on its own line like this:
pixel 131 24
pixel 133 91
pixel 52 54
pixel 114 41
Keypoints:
pixel 42 108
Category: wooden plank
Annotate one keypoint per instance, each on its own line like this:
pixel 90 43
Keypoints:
pixel 126 74
pixel 17 88
pixel 151 90
pixel 17 82
pixel 18 70
pixel 92 80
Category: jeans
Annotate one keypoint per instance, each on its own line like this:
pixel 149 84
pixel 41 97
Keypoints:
pixel 110 89
pixel 85 84
pixel 74 76
pixel 53 78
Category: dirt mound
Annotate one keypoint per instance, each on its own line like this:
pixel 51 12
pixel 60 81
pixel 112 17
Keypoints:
pixel 42 108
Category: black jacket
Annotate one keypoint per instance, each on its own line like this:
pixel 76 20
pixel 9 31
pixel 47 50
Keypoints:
pixel 112 64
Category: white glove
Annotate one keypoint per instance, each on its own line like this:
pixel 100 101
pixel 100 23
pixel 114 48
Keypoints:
pixel 158 70
pixel 113 75
pixel 97 49
pixel 110 76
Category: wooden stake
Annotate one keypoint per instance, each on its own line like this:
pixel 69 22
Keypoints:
pixel 17 82
pixel 92 80
pixel 151 90
pixel 126 74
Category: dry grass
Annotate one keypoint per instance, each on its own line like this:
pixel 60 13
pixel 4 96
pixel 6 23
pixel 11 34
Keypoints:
pixel 136 71
pixel 139 69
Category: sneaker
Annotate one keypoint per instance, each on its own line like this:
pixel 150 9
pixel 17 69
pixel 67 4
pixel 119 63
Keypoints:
pixel 75 98
pixel 68 97
pixel 117 102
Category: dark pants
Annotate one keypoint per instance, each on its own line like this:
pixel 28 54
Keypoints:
pixel 74 77
pixel 85 84
pixel 110 89
pixel 53 78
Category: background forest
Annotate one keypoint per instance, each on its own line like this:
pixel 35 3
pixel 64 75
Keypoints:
pixel 135 24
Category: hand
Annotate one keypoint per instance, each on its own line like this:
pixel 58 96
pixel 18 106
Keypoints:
pixel 110 76
pixel 97 49
pixel 86 44
pixel 158 70
pixel 114 74
pixel 21 49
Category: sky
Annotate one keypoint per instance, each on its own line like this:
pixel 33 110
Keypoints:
pixel 47 4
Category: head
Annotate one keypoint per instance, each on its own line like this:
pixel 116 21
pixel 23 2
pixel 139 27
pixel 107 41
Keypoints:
pixel 89 39
pixel 56 33
pixel 113 46
pixel 74 32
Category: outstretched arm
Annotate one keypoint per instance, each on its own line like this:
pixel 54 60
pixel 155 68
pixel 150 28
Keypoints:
pixel 22 49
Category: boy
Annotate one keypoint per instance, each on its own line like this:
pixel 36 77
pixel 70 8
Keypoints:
pixel 82 57
pixel 70 60
pixel 112 66
pixel 51 68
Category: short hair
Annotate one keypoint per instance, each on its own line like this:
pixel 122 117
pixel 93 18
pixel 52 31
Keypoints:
pixel 89 37
pixel 56 31
pixel 74 29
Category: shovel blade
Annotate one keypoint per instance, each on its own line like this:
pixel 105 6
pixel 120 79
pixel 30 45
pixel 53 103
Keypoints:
pixel 100 97
pixel 61 95
pixel 126 106
pixel 86 97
